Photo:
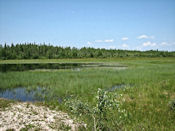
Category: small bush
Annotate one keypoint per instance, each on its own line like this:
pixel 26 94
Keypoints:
pixel 106 109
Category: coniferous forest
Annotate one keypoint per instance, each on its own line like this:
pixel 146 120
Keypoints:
pixel 43 51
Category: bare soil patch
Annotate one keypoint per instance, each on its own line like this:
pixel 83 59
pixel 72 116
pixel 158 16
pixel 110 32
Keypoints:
pixel 20 116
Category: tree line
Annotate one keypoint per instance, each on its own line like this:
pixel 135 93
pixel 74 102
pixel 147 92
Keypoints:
pixel 43 51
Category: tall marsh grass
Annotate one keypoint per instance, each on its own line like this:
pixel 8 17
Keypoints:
pixel 146 100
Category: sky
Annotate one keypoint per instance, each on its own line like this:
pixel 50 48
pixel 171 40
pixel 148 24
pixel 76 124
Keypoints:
pixel 110 24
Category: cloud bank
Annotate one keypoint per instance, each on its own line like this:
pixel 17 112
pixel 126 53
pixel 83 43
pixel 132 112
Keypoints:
pixel 100 41
pixel 145 37
pixel 148 43
pixel 125 46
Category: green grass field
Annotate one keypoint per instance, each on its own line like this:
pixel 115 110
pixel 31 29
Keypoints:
pixel 146 103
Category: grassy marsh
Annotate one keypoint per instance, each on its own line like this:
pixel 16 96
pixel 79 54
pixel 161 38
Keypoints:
pixel 146 101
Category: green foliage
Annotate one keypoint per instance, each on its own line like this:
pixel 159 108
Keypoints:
pixel 77 107
pixel 34 51
pixel 64 127
pixel 28 127
pixel 145 103
pixel 105 103
pixel 4 103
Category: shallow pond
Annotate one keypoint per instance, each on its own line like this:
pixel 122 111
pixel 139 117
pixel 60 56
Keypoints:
pixel 113 88
pixel 119 86
pixel 23 94
pixel 39 93
pixel 74 66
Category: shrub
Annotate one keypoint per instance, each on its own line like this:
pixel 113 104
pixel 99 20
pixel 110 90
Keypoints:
pixel 106 105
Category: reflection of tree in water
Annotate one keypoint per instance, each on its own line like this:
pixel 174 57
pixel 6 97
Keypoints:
pixel 23 67
pixel 24 94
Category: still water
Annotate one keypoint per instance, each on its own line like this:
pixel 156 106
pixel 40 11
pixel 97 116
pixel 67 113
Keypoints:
pixel 25 67
pixel 23 94
pixel 39 93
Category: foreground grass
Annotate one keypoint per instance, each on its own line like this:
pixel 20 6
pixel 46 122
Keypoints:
pixel 146 100
pixel 5 103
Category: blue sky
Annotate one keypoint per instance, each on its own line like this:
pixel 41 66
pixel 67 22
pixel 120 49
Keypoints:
pixel 120 24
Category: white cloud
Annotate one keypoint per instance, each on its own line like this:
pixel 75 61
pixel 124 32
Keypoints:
pixel 125 46
pixel 109 41
pixel 124 38
pixel 100 41
pixel 167 44
pixel 145 37
pixel 164 44
pixel 89 43
pixel 148 43
pixel 104 41
pixel 142 37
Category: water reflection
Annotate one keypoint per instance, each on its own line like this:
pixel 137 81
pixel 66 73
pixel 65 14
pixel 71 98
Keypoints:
pixel 24 67
pixel 23 94
pixel 73 66
pixel 114 87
